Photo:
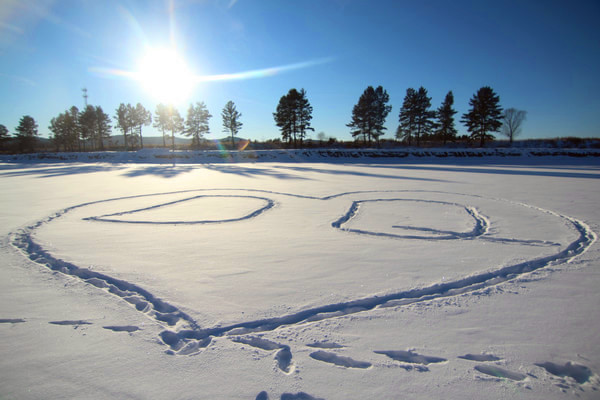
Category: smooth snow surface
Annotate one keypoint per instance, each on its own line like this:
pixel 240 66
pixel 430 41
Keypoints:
pixel 275 280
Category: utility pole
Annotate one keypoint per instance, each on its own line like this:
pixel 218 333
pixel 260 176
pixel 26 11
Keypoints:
pixel 85 96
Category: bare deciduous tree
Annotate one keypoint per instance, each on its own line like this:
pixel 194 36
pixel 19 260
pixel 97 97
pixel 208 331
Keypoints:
pixel 511 123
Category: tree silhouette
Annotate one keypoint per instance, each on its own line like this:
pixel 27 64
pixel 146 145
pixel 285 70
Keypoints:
pixel 73 129
pixel 484 116
pixel 293 116
pixel 416 119
pixel 27 133
pixel 512 120
pixel 4 136
pixel 140 117
pixel 161 120
pixel 369 114
pixel 174 123
pixel 407 117
pixel 196 123
pixel 445 117
pixel 103 127
pixel 87 123
pixel 124 121
pixel 231 120
pixel 66 130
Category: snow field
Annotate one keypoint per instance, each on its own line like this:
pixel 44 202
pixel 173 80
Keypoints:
pixel 309 278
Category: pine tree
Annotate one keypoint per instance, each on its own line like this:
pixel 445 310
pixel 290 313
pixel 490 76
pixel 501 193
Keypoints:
pixel 285 118
pixel 231 121
pixel 369 114
pixel 406 129
pixel 196 123
pixel 103 127
pixel 445 116
pixel 161 120
pixel 304 115
pixel 484 116
pixel 27 133
pixel 125 122
pixel 73 129
pixel 174 123
pixel 293 116
pixel 140 117
pixel 57 128
pixel 87 123
pixel 4 136
pixel 416 119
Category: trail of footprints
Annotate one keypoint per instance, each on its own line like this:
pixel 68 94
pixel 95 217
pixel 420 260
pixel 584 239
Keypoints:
pixel 75 324
pixel 184 337
pixel 570 376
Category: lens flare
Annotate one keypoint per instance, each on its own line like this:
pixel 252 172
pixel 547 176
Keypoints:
pixel 165 76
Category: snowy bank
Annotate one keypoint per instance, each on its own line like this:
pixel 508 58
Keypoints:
pixel 408 155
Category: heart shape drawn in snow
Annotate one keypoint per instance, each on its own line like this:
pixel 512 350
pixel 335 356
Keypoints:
pixel 193 260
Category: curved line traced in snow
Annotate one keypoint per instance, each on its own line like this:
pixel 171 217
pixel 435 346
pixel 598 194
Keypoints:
pixel 185 336
pixel 268 204
pixel 481 223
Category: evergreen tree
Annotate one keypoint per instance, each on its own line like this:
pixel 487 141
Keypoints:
pixel 304 113
pixel 27 133
pixel 161 120
pixel 125 121
pixel 293 116
pixel 484 116
pixel 88 124
pixel 406 129
pixel 4 136
pixel 57 128
pixel 103 128
pixel 445 116
pixel 73 129
pixel 512 119
pixel 285 118
pixel 231 120
pixel 369 114
pixel 196 123
pixel 174 123
pixel 140 117
pixel 416 119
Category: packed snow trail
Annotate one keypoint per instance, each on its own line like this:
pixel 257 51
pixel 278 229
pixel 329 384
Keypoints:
pixel 183 334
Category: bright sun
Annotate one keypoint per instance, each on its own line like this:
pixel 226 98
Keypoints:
pixel 165 75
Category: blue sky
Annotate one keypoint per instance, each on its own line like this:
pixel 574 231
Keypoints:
pixel 539 56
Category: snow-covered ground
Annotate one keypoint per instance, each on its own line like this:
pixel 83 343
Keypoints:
pixel 300 280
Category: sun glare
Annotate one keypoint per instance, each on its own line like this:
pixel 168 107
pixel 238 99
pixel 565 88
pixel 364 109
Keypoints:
pixel 165 76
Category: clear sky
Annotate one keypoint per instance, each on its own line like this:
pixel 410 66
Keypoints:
pixel 540 56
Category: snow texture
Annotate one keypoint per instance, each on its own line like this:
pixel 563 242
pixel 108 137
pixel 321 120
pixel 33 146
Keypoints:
pixel 290 279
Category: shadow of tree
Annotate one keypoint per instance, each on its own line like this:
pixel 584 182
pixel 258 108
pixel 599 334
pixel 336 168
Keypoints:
pixel 164 171
pixel 253 172
pixel 359 173
pixel 587 172
pixel 43 171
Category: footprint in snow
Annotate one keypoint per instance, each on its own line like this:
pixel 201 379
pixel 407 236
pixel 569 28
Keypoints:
pixel 283 355
pixel 74 323
pixel 480 357
pixel 325 345
pixel 410 357
pixel 333 358
pixel 125 328
pixel 580 373
pixel 11 320
pixel 288 396
pixel 498 372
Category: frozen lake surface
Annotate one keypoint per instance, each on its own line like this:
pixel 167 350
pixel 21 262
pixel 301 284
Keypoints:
pixel 312 280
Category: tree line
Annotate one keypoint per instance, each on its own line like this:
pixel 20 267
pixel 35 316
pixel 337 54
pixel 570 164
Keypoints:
pixel 417 121
pixel 90 128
